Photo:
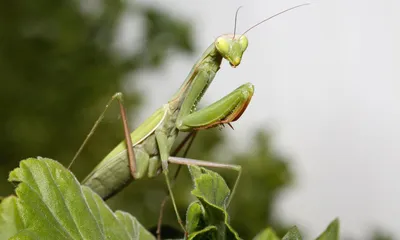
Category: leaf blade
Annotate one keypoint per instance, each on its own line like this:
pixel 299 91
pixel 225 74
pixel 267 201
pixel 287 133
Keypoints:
pixel 10 219
pixel 292 234
pixel 54 205
pixel 331 232
pixel 266 234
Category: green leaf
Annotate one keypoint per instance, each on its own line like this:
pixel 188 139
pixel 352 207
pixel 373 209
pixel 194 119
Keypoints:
pixel 331 232
pixel 196 225
pixel 132 226
pixel 53 205
pixel 195 218
pixel 209 186
pixel 292 234
pixel 212 192
pixel 266 234
pixel 209 232
pixel 10 220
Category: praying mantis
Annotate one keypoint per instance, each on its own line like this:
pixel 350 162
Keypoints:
pixel 146 150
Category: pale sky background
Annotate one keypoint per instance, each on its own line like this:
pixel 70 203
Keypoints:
pixel 326 85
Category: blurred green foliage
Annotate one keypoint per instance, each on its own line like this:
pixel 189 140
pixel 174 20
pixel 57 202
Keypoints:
pixel 380 234
pixel 59 65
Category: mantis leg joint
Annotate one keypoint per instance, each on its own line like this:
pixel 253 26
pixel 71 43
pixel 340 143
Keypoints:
pixel 118 96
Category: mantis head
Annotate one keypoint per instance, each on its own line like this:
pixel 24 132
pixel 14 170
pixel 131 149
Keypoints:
pixel 231 48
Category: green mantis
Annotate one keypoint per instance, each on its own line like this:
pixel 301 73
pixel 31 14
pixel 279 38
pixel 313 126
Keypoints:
pixel 146 151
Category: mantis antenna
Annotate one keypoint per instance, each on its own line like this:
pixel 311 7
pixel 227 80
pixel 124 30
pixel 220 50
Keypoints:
pixel 275 15
pixel 236 14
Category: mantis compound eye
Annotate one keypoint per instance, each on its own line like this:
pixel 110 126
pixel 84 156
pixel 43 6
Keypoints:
pixel 222 46
pixel 244 42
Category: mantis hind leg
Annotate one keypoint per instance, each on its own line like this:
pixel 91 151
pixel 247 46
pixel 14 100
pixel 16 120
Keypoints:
pixel 132 161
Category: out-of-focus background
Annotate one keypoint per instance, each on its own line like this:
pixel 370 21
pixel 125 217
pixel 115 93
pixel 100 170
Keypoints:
pixel 318 141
